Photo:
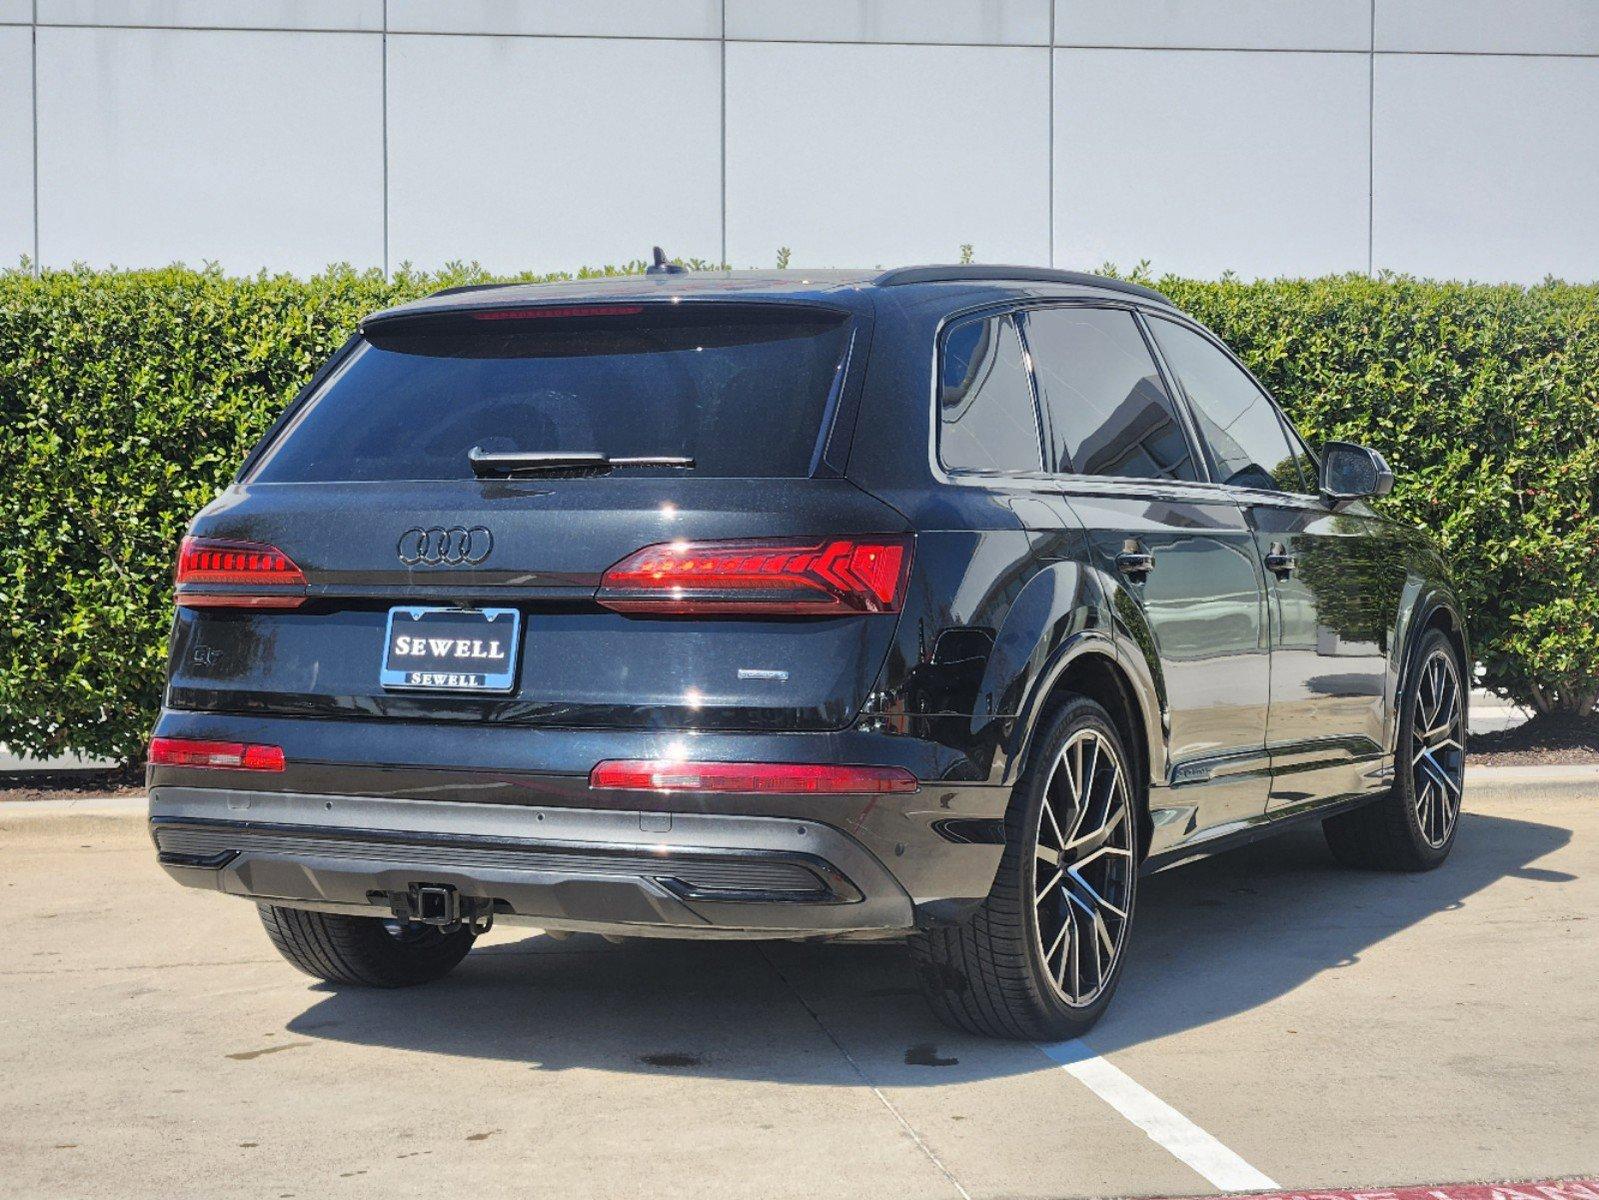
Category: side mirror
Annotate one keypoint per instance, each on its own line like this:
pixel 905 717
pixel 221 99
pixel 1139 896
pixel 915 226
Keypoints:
pixel 1351 472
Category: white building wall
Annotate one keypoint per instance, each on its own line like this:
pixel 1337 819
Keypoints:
pixel 1440 137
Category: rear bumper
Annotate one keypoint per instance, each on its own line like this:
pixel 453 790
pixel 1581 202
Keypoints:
pixel 372 804
pixel 601 870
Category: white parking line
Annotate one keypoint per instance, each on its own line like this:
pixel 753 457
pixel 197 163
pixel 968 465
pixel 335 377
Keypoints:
pixel 1165 1126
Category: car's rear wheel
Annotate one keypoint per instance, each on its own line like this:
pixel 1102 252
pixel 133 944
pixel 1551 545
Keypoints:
pixel 366 951
pixel 1413 827
pixel 1043 955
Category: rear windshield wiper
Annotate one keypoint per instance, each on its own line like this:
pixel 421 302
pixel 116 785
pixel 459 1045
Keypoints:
pixel 494 464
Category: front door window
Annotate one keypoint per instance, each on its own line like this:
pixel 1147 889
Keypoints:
pixel 1237 421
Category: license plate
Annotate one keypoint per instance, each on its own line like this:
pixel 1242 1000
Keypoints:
pixel 451 649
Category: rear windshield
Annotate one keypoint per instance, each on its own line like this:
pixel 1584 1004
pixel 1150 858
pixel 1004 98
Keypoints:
pixel 741 389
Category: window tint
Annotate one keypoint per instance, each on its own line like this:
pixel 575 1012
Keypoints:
pixel 1108 411
pixel 739 388
pixel 1237 421
pixel 987 421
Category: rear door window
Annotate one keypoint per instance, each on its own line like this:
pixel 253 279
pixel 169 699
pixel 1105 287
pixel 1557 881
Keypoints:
pixel 742 389
pixel 987 419
pixel 1109 412
pixel 1238 422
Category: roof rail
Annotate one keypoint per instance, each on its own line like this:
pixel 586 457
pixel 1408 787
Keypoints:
pixel 983 272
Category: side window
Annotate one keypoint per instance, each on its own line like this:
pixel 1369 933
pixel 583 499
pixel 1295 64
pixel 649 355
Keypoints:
pixel 1108 410
pixel 1237 421
pixel 987 420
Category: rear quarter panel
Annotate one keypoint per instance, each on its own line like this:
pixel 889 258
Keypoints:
pixel 1001 596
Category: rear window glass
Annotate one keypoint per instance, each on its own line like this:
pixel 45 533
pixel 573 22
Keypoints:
pixel 741 389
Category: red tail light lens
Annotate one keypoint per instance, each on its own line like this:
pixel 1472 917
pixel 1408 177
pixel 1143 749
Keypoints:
pixel 800 576
pixel 213 573
pixel 668 775
pixel 227 756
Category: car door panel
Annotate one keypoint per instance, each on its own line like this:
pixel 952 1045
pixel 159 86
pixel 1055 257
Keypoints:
pixel 1330 605
pixel 1196 616
pixel 1198 620
pixel 1332 618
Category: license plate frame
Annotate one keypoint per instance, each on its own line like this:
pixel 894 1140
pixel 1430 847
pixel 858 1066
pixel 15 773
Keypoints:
pixel 432 672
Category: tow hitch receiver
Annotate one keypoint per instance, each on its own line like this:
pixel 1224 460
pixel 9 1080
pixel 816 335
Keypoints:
pixel 441 905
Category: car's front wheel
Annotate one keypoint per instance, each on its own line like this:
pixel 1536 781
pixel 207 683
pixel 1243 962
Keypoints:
pixel 1413 827
pixel 367 951
pixel 1042 956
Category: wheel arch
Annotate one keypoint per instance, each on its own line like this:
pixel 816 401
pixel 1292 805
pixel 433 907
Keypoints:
pixel 1444 616
pixel 1432 609
pixel 1092 668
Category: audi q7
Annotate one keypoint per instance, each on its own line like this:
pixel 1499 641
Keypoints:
pixel 936 604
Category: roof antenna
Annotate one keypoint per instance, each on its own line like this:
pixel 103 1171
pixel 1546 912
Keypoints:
pixel 664 266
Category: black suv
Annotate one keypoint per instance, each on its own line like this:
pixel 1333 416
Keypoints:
pixel 937 603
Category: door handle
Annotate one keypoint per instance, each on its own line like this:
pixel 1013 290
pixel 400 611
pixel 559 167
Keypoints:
pixel 1134 561
pixel 1279 562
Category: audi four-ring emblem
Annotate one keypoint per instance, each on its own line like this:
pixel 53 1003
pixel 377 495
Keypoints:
pixel 455 546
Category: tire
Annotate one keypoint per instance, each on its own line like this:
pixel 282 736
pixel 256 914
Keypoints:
pixel 1414 826
pixel 364 951
pixel 996 974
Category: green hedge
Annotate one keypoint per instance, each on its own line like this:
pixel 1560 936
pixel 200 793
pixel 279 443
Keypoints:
pixel 127 398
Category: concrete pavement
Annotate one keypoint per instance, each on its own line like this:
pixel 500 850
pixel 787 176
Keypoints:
pixel 1328 1028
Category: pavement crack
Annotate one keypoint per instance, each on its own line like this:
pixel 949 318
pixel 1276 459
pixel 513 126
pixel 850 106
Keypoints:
pixel 247 1055
pixel 864 1078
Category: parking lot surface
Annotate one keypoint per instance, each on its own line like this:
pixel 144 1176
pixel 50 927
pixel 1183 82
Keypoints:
pixel 1318 1027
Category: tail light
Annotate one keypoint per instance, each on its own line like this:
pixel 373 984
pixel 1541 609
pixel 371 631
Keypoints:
pixel 669 775
pixel 221 574
pixel 788 576
pixel 227 756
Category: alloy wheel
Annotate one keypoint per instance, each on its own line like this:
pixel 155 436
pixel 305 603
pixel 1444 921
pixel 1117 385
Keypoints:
pixel 1083 867
pixel 1437 750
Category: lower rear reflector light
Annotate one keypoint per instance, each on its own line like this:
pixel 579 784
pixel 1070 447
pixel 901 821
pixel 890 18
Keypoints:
pixel 227 756
pixel 668 775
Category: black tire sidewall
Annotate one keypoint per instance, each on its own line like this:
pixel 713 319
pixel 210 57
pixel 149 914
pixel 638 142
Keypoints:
pixel 420 954
pixel 359 950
